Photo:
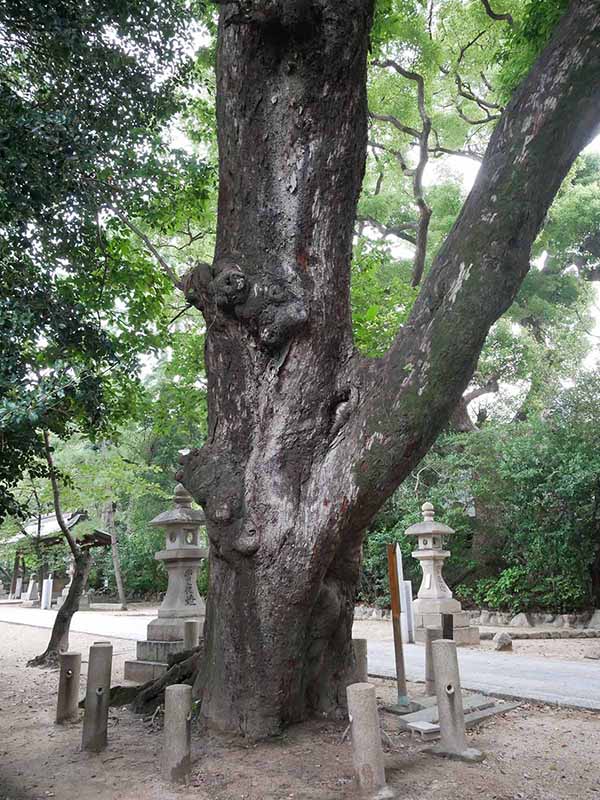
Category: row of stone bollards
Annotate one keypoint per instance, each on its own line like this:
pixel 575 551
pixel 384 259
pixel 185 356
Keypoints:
pixel 443 677
pixel 367 749
pixel 178 706
pixel 97 695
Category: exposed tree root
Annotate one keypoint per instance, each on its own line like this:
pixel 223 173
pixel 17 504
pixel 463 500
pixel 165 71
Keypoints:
pixel 48 659
pixel 182 669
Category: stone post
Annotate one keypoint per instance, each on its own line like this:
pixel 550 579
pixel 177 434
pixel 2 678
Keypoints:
pixel 32 595
pixel 367 752
pixel 361 671
pixel 191 634
pixel 177 736
pixel 450 704
pixel 97 697
pixel 431 635
pixel 46 601
pixel 68 688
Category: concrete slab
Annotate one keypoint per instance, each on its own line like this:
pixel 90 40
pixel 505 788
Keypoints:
pixel 431 714
pixel 431 730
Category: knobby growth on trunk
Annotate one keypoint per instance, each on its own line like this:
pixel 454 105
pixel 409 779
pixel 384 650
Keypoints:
pixel 307 438
pixel 82 560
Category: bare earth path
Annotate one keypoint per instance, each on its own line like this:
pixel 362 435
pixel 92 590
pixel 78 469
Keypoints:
pixel 533 753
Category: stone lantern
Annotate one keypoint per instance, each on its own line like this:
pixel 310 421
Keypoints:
pixel 182 557
pixel 434 597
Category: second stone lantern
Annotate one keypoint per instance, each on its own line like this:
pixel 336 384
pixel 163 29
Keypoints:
pixel 434 597
pixel 182 557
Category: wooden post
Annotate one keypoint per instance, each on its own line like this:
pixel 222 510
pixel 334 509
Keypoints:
pixel 399 652
pixel 448 626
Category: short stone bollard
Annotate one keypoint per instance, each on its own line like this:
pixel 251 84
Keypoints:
pixel 97 697
pixel 68 688
pixel 361 673
pixel 431 635
pixel 177 761
pixel 367 752
pixel 450 705
pixel 191 634
pixel 46 601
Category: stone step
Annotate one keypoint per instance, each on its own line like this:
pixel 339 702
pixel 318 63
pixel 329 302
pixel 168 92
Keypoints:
pixel 143 671
pixel 158 651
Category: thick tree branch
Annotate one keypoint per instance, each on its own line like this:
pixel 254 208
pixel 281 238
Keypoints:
pixel 400 231
pixel 411 393
pixel 498 17
pixel 56 496
pixel 490 386
pixel 423 144
pixel 396 123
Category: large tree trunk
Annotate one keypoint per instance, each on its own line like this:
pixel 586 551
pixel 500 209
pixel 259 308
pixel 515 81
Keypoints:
pixel 292 120
pixel 307 439
pixel 59 638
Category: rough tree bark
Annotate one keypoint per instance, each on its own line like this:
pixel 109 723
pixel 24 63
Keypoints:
pixel 306 438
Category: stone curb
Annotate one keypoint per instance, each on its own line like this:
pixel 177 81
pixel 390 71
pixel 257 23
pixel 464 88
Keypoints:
pixel 590 633
pixel 585 621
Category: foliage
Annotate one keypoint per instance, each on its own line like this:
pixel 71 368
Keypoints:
pixel 381 299
pixel 541 478
pixel 535 22
pixel 85 89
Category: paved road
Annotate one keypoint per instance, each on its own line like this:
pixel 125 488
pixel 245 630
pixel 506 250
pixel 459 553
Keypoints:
pixel 99 623
pixel 571 683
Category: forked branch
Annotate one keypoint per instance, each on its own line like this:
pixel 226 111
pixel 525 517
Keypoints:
pixel 422 138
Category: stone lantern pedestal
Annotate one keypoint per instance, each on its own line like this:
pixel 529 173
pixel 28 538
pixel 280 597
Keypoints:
pixel 434 597
pixel 182 557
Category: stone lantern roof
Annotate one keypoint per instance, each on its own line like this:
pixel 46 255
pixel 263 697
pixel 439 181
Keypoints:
pixel 429 526
pixel 182 513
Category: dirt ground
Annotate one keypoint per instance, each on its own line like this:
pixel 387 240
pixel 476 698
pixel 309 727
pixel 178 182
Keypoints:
pixel 533 752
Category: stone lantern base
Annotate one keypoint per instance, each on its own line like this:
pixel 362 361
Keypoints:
pixel 151 660
pixel 165 638
pixel 428 613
